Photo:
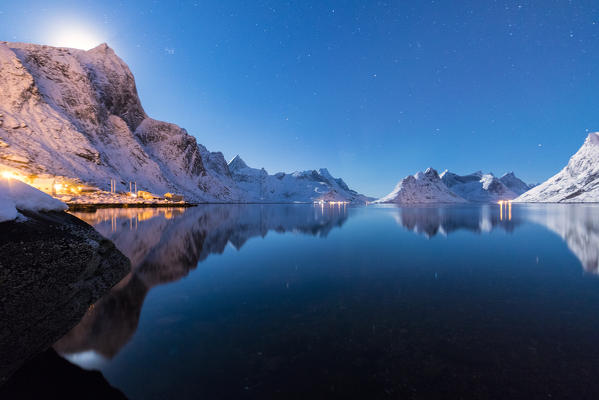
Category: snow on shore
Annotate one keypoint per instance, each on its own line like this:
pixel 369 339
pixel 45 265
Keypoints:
pixel 17 196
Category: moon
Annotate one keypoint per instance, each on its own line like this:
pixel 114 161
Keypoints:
pixel 77 36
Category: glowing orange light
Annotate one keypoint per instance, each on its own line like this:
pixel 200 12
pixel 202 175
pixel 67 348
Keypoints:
pixel 9 175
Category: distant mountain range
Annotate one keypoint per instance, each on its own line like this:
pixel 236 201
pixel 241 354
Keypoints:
pixel 312 185
pixel 429 188
pixel 74 114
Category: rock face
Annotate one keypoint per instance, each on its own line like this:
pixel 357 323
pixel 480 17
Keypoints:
pixel 49 376
pixel 304 186
pixel 422 188
pixel 76 114
pixel 478 187
pixel 52 268
pixel 578 182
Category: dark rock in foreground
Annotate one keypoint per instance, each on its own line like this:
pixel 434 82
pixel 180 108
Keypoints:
pixel 52 268
pixel 49 376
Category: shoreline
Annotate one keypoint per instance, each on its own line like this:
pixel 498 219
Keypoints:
pixel 95 206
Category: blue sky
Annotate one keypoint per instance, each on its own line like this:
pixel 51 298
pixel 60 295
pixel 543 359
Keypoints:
pixel 372 90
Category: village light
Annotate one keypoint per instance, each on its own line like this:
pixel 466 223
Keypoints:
pixel 9 175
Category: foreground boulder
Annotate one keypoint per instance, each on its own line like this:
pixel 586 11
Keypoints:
pixel 53 266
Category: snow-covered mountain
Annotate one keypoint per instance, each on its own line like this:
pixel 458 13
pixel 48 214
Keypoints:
pixel 478 187
pixel 422 188
pixel 578 182
pixel 75 115
pixel 515 184
pixel 303 186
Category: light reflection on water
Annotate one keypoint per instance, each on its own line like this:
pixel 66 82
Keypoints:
pixel 346 298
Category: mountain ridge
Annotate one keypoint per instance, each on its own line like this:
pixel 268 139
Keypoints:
pixel 429 187
pixel 76 116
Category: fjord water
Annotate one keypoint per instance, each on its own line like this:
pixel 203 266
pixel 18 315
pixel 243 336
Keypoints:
pixel 311 301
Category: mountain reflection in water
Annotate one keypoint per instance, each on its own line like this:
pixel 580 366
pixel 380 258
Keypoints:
pixel 576 224
pixel 164 244
pixel 407 302
pixel 431 221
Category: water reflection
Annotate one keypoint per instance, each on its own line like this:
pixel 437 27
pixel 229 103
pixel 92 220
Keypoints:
pixel 165 244
pixel 431 221
pixel 374 310
pixel 576 224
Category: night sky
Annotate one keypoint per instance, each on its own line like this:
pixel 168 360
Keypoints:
pixel 372 90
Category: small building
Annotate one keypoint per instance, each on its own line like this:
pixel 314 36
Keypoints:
pixel 147 195
pixel 173 197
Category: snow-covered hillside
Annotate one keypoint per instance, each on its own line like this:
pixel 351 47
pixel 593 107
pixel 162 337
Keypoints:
pixel 478 187
pixel 578 182
pixel 422 188
pixel 69 115
pixel 303 186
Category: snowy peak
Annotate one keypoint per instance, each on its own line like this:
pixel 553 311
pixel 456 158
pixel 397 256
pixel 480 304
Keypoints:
pixel 478 187
pixel 430 187
pixel 577 182
pixel 301 186
pixel 421 188
pixel 593 139
pixel 515 184
pixel 237 164
pixel 101 48
pixel 431 173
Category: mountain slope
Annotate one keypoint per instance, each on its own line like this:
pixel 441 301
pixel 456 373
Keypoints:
pixel 421 188
pixel 478 187
pixel 303 186
pixel 76 114
pixel 515 184
pixel 577 182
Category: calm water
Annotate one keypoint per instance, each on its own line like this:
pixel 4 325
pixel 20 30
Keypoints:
pixel 303 301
